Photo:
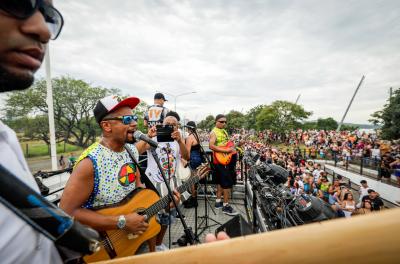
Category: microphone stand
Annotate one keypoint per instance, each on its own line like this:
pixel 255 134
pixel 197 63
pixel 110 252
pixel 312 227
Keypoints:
pixel 188 231
pixel 205 218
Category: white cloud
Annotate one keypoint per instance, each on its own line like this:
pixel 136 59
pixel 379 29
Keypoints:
pixel 236 54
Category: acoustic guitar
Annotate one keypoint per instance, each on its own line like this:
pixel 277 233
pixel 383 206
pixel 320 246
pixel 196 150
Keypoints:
pixel 222 157
pixel 118 243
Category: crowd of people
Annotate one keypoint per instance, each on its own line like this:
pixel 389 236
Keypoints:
pixel 318 144
pixel 343 146
pixel 307 177
pixel 346 146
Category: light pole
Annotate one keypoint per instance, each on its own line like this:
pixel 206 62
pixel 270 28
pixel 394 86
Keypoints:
pixel 176 96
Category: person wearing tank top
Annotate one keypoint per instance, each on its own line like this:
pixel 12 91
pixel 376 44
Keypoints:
pixel 225 174
pixel 195 160
pixel 105 173
pixel 395 165
pixel 348 205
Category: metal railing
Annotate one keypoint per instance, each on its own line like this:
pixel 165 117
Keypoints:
pixel 355 186
pixel 366 166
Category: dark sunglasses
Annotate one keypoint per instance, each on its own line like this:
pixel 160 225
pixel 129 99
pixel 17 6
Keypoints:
pixel 23 9
pixel 126 120
pixel 223 122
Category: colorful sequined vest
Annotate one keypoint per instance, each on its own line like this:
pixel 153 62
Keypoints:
pixel 114 174
pixel 222 136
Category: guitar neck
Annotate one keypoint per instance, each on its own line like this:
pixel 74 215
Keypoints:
pixel 163 202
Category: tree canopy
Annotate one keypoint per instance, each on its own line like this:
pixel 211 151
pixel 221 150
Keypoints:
pixel 251 116
pixel 74 101
pixel 207 123
pixel 236 120
pixel 321 124
pixel 389 117
pixel 281 116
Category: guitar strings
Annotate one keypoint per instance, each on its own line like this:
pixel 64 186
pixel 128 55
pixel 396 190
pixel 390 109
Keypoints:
pixel 118 234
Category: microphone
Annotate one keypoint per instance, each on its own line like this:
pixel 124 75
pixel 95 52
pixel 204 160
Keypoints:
pixel 140 136
pixel 190 127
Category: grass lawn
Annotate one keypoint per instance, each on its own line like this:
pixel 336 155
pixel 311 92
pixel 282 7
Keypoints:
pixel 39 148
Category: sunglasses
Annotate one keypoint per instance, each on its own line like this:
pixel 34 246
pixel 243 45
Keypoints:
pixel 23 9
pixel 126 120
pixel 223 122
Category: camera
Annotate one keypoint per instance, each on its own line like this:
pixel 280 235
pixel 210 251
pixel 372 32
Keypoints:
pixel 164 133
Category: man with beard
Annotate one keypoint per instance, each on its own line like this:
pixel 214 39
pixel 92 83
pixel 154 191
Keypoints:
pixel 25 28
pixel 169 156
pixel 105 173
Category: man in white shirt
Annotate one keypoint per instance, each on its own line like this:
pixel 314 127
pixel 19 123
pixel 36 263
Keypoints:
pixel 317 171
pixel 300 185
pixel 363 191
pixel 26 26
pixel 375 153
pixel 169 154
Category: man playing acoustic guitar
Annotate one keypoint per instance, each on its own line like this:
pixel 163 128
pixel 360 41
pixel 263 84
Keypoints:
pixel 105 174
pixel 224 164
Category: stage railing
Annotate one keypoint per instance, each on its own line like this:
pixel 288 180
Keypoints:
pixel 373 238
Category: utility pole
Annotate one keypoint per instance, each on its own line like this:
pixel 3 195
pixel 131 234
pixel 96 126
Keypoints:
pixel 390 94
pixel 176 96
pixel 297 100
pixel 49 101
pixel 351 101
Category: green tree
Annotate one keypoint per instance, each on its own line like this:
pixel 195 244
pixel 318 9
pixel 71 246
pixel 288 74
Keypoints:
pixel 348 127
pixel 74 101
pixel 139 110
pixel 207 124
pixel 281 116
pixel 326 124
pixel 34 128
pixel 309 125
pixel 389 117
pixel 235 119
pixel 251 117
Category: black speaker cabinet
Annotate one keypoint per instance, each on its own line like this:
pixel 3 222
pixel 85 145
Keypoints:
pixel 236 227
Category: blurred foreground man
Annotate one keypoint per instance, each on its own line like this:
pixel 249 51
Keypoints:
pixel 25 28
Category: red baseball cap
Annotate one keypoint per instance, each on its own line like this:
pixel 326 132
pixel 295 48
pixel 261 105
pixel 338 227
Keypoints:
pixel 111 103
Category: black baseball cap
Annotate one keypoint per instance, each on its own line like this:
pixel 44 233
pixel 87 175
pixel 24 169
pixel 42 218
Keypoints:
pixel 160 96
pixel 191 124
pixel 111 103
pixel 174 114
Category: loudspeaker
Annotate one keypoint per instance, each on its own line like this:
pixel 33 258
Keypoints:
pixel 236 227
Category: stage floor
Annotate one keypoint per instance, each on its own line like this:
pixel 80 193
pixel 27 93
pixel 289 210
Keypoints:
pixel 215 220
